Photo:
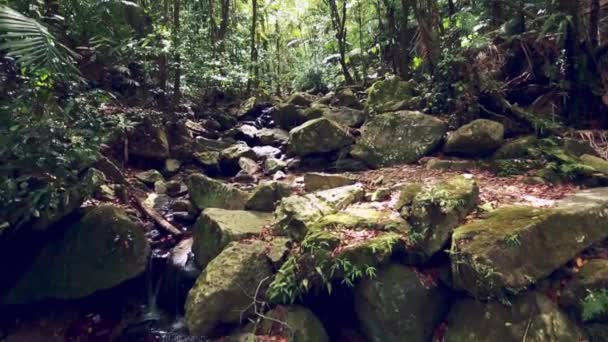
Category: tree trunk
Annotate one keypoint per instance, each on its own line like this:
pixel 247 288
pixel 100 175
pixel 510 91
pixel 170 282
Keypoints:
pixel 594 17
pixel 253 47
pixel 178 58
pixel 339 23
pixel 162 63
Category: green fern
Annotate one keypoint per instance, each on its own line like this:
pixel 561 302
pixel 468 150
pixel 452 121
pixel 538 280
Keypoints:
pixel 32 45
pixel 595 305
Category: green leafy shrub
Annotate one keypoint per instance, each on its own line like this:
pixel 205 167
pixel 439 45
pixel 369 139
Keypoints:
pixel 595 305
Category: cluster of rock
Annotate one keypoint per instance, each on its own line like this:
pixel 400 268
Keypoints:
pixel 388 254
pixel 416 266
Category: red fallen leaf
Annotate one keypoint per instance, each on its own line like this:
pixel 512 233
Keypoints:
pixel 440 331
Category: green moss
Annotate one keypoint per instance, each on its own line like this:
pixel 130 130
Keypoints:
pixel 512 167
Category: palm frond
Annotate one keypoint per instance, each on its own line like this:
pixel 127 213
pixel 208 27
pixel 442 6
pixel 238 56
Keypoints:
pixel 32 45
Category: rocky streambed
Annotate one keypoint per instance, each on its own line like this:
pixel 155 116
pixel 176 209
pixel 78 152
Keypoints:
pixel 301 221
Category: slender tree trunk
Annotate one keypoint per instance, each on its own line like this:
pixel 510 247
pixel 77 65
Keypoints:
pixel 571 47
pixel 253 60
pixel 451 8
pixel 177 83
pixel 339 23
pixel 162 63
pixel 594 17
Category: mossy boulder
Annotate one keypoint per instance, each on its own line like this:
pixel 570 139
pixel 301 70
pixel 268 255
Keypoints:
pixel 295 214
pixel 578 147
pixel 315 181
pixel 476 139
pixel 301 99
pixel 266 196
pixel 101 250
pixel 272 136
pixel 288 116
pixel 295 323
pixel 229 157
pixel 318 136
pixel 531 317
pixel 226 288
pixel 599 164
pixel 216 228
pixel 348 117
pixel 391 95
pixel 436 211
pixel 592 278
pixel 399 304
pixel 149 177
pixel 517 148
pixel 398 138
pixel 514 247
pixel 207 192
pixel 149 140
pixel 363 218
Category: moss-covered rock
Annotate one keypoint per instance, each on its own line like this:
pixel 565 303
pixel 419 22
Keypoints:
pixel 315 181
pixel 216 228
pixel 301 99
pixel 597 163
pixel 391 95
pixel 149 140
pixel 592 278
pixel 517 148
pixel 478 138
pixel 101 250
pixel 272 136
pixel 436 211
pixel 578 147
pixel 266 196
pixel 398 138
pixel 295 323
pixel 345 116
pixel 210 193
pixel 363 218
pixel 210 161
pixel 288 116
pixel 295 214
pixel 149 177
pixel 318 136
pixel 225 290
pixel 531 317
pixel 515 247
pixel 398 303
pixel 229 157
pixel 274 165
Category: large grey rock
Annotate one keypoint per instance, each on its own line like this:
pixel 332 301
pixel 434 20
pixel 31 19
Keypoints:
pixel 398 305
pixel 515 247
pixel 149 140
pixel 531 317
pixel 398 138
pixel 436 211
pixel 225 290
pixel 150 177
pixel 476 139
pixel 266 196
pixel 101 250
pixel 210 193
pixel 391 95
pixel 216 228
pixel 295 214
pixel 318 136
pixel 273 136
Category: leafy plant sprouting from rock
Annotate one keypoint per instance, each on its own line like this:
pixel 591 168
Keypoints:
pixel 321 261
pixel 595 305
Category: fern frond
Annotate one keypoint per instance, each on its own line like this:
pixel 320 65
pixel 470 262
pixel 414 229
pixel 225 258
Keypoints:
pixel 32 45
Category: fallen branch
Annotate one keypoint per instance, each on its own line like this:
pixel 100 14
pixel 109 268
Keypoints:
pixel 113 172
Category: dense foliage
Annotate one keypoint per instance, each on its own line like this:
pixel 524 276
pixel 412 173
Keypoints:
pixel 64 60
